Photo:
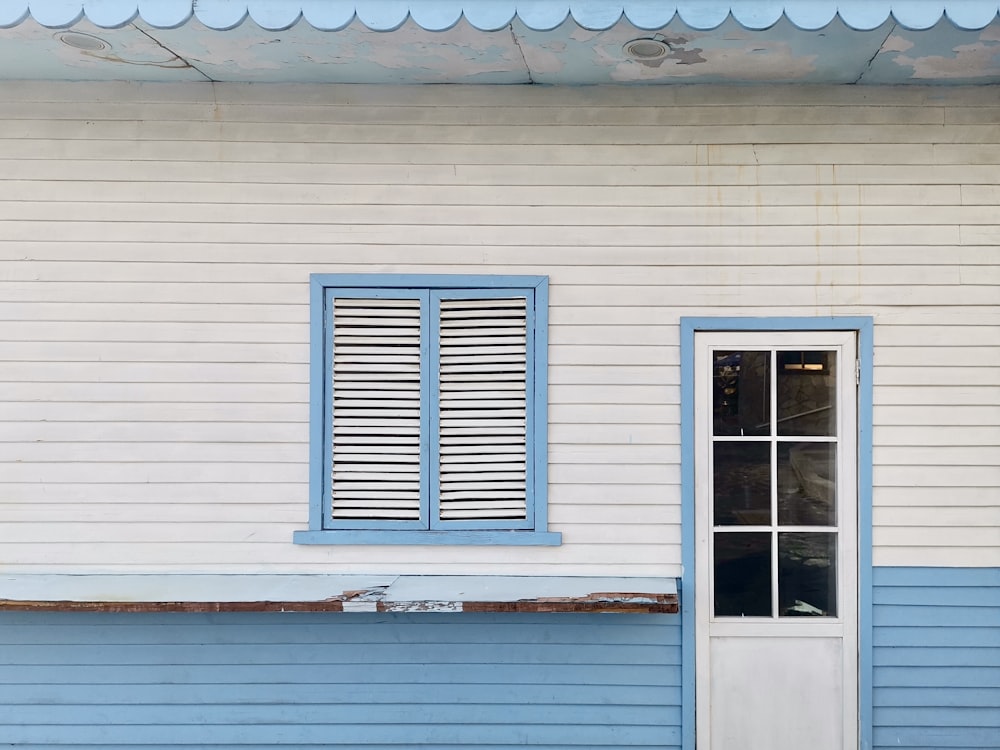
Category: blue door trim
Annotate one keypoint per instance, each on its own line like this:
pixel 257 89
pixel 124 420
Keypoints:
pixel 862 326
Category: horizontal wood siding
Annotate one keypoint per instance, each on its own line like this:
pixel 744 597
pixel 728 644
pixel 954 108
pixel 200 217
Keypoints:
pixel 936 658
pixel 156 243
pixel 350 681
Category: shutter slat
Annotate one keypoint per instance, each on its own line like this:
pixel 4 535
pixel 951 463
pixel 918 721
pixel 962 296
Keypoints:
pixel 378 424
pixel 483 331
pixel 383 369
pixel 490 308
pixel 381 443
pixel 357 378
pixel 511 433
pixel 376 409
pixel 386 514
pixel 493 379
pixel 481 495
pixel 475 490
pixel 400 319
pixel 485 427
pixel 383 434
pixel 483 409
pixel 452 452
pixel 347 392
pixel 358 496
pixel 386 348
pixel 451 403
pixel 374 453
pixel 402 416
pixel 474 470
pixel 354 462
pixel 402 360
pixel 472 389
pixel 486 415
pixel 379 401
pixel 499 372
pixel 365 474
pixel 355 343
pixel 477 357
pixel 385 496
pixel 372 305
pixel 486 459
pixel 495 503
pixel 481 478
pixel 508 342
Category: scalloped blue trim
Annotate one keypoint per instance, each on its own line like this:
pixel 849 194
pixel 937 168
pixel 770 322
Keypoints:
pixel 490 15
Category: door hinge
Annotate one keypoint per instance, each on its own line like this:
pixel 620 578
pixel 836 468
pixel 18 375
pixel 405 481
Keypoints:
pixel 857 372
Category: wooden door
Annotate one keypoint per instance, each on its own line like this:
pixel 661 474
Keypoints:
pixel 776 540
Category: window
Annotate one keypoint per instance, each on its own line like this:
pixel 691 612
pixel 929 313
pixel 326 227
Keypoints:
pixel 777 457
pixel 428 410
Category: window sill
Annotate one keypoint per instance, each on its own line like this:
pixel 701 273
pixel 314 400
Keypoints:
pixel 389 536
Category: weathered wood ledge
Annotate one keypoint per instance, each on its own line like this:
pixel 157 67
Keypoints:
pixel 336 593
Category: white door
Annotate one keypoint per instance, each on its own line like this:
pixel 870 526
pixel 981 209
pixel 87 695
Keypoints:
pixel 776 540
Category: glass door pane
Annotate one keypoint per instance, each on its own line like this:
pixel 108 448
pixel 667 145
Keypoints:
pixel 807 574
pixel 741 393
pixel 806 393
pixel 743 574
pixel 807 484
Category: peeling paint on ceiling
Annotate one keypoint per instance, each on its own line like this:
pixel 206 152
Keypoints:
pixel 569 54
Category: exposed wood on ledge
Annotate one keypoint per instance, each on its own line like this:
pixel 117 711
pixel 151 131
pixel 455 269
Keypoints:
pixel 330 593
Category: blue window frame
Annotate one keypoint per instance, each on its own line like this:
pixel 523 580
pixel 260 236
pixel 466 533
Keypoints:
pixel 428 398
pixel 863 326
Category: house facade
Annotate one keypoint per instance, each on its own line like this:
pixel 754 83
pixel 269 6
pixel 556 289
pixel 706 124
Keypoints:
pixel 649 400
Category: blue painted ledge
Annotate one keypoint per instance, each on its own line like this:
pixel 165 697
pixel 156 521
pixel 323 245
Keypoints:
pixel 336 593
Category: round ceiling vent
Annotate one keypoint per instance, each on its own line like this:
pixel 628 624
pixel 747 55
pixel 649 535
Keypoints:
pixel 85 42
pixel 646 49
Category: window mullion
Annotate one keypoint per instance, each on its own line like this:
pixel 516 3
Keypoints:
pixel 536 319
pixel 430 412
pixel 326 380
pixel 773 417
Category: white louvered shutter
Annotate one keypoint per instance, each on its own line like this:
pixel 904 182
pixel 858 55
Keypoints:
pixel 483 409
pixel 376 410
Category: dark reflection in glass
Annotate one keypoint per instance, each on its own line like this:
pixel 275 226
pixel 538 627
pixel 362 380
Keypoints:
pixel 807 484
pixel 741 393
pixel 742 483
pixel 742 574
pixel 807 574
pixel 807 393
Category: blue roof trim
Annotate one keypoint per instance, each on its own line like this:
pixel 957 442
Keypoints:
pixel 490 15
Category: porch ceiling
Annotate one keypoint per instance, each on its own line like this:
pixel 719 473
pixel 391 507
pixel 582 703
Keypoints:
pixel 501 41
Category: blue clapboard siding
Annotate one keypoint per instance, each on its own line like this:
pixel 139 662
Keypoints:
pixel 936 658
pixel 299 680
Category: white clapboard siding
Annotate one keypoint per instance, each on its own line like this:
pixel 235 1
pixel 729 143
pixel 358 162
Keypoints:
pixel 155 250
pixel 376 409
pixel 483 409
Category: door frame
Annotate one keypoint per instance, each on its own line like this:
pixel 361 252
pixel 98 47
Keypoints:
pixel 862 326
